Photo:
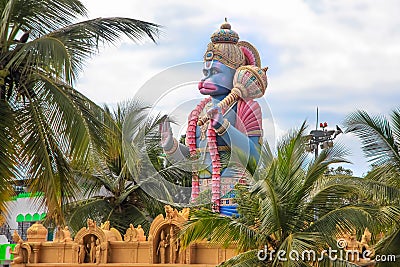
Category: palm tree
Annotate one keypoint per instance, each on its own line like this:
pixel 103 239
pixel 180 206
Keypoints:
pixel 380 138
pixel 291 206
pixel 49 124
pixel 112 188
pixel 8 159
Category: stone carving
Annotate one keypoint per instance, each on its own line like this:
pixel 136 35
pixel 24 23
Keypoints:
pixel 63 235
pixel 58 235
pixel 37 233
pixel 181 253
pixel 168 246
pixel 162 245
pixel 174 248
pixel 91 248
pixel 352 243
pixel 105 225
pixel 165 229
pixel 92 243
pixel 170 213
pixel 140 233
pixel 112 234
pixel 356 249
pixel 131 234
pixel 91 224
pixel 66 234
pixel 365 242
pixel 22 250
pixel 98 252
pixel 81 252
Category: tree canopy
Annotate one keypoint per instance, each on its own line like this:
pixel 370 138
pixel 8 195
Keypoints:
pixel 45 123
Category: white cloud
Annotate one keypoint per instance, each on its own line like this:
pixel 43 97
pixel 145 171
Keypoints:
pixel 116 74
pixel 340 55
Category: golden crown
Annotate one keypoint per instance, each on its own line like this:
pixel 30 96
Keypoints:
pixel 226 48
pixel 225 34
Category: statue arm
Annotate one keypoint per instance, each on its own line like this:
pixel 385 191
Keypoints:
pixel 248 144
pixel 14 251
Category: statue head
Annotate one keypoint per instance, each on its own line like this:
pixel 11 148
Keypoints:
pixel 15 237
pixel 223 56
pixel 217 80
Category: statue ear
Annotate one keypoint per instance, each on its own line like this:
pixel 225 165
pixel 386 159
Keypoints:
pixel 250 53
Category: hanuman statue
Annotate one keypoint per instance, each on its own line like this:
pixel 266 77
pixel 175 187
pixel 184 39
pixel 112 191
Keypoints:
pixel 229 117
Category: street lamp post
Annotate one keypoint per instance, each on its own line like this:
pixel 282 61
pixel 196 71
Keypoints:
pixel 321 138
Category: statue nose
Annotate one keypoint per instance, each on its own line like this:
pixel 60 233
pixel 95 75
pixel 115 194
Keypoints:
pixel 205 78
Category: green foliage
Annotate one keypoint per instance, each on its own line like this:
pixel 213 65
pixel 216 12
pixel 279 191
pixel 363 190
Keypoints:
pixel 290 204
pixel 111 188
pixel 339 171
pixel 380 138
pixel 45 123
pixel 8 157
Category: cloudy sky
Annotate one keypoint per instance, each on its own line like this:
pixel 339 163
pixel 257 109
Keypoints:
pixel 338 55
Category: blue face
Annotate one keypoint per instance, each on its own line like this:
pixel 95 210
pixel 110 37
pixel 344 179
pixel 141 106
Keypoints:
pixel 217 80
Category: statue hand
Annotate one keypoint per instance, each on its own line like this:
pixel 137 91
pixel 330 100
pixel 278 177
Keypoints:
pixel 216 118
pixel 166 134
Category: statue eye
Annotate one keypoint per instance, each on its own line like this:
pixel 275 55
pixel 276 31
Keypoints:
pixel 214 71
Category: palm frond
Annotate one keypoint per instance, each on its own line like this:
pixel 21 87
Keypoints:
pixel 83 39
pixel 389 245
pixel 380 192
pixel 395 125
pixel 318 167
pixel 78 212
pixel 42 54
pixel 386 173
pixel 204 224
pixel 376 135
pixel 130 214
pixel 40 17
pixel 57 127
pixel 48 168
pixel 245 259
pixel 8 147
pixel 344 220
